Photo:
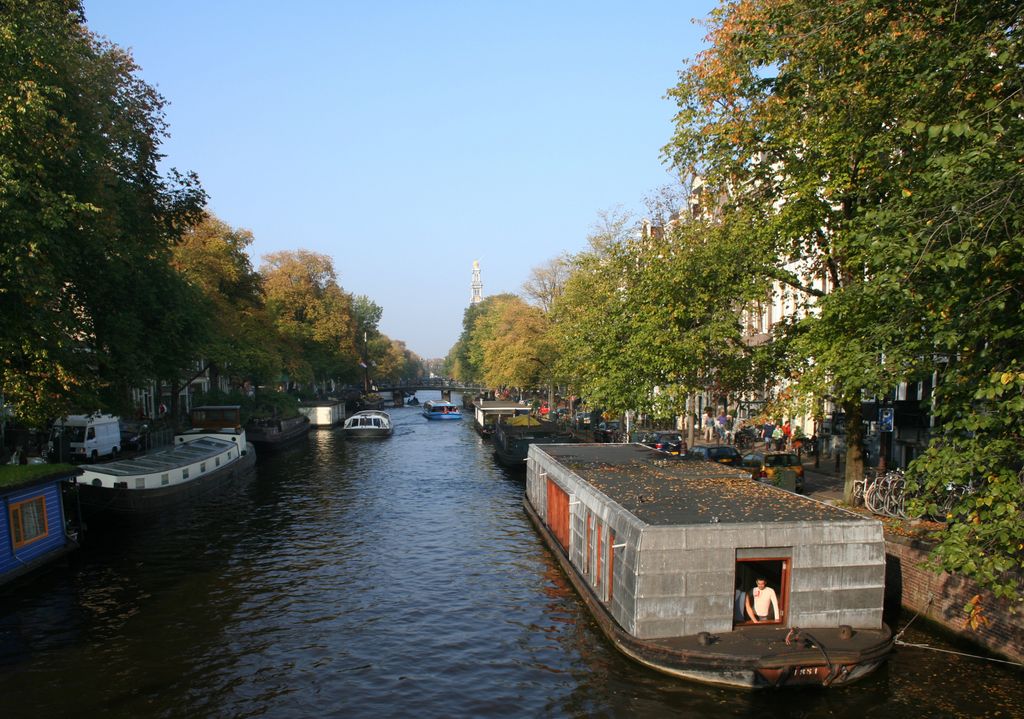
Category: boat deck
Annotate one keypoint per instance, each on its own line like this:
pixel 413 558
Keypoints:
pixel 663 490
pixel 165 459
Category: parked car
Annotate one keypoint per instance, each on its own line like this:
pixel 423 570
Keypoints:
pixel 663 440
pixel 722 453
pixel 765 466
pixel 607 431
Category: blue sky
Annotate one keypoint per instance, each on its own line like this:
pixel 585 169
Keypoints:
pixel 407 139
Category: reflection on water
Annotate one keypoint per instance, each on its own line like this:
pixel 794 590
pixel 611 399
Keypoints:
pixel 394 577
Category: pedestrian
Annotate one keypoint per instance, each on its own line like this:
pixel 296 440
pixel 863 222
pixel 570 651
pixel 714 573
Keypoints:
pixel 720 426
pixel 778 437
pixel 729 435
pixel 760 601
pixel 766 435
pixel 787 431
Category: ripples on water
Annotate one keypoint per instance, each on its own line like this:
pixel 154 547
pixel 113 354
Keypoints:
pixel 396 577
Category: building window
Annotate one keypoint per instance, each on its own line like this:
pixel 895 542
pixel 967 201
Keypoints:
pixel 28 521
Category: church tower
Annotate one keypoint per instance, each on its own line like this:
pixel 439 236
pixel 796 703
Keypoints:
pixel 477 286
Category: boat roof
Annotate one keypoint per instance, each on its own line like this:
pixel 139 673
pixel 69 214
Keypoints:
pixel 164 459
pixel 440 403
pixel 499 404
pixel 663 490
pixel 371 413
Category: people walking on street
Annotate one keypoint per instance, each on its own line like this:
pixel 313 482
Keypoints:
pixel 778 437
pixel 787 432
pixel 769 428
pixel 729 436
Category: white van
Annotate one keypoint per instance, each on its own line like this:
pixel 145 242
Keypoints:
pixel 85 436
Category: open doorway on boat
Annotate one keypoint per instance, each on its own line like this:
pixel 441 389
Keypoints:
pixel 775 571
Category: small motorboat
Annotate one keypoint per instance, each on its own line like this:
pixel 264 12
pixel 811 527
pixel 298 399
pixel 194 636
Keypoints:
pixel 368 423
pixel 441 410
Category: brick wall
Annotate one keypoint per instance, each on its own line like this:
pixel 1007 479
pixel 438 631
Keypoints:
pixel 941 598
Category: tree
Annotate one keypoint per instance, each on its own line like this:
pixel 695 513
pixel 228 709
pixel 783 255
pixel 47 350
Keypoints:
pixel 517 349
pixel 861 143
pixel 87 220
pixel 466 358
pixel 547 281
pixel 312 314
pixel 646 320
pixel 212 257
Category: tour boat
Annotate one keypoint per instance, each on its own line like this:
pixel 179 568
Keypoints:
pixel 201 459
pixel 368 423
pixel 437 409
pixel 666 554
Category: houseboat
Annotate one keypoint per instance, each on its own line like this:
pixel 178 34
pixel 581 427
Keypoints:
pixel 209 455
pixel 271 433
pixel 514 437
pixel 695 570
pixel 439 409
pixel 369 423
pixel 39 522
pixel 488 412
pixel 323 414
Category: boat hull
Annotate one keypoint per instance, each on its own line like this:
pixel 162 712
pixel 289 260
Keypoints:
pixel 365 433
pixel 272 434
pixel 101 502
pixel 441 417
pixel 747 657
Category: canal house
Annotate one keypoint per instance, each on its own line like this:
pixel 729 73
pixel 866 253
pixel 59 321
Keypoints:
pixel 39 521
pixel 666 553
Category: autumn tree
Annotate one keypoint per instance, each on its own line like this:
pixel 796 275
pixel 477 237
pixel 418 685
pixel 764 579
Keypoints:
pixel 312 314
pixel 212 257
pixel 89 301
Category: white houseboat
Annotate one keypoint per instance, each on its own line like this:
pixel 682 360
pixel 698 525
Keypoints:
pixel 201 459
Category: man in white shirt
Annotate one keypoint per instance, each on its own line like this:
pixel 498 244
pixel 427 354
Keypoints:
pixel 763 598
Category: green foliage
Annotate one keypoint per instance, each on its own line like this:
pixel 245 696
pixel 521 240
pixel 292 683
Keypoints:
pixel 87 220
pixel 658 312
pixel 877 147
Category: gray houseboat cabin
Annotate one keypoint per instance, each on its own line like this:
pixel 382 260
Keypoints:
pixel 666 553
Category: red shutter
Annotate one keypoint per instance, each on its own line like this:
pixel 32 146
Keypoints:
pixel 558 513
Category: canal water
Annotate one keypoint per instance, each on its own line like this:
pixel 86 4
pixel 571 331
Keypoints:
pixel 388 578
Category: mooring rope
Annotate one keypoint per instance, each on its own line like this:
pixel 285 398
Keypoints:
pixel 900 642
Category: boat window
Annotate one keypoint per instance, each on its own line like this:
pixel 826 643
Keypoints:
pixel 165 479
pixel 775 571
pixel 140 483
pixel 28 521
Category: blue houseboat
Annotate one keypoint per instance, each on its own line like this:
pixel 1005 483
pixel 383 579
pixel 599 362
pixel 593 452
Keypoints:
pixel 436 409
pixel 39 521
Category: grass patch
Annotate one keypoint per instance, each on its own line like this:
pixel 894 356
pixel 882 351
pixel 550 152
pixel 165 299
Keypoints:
pixel 12 475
